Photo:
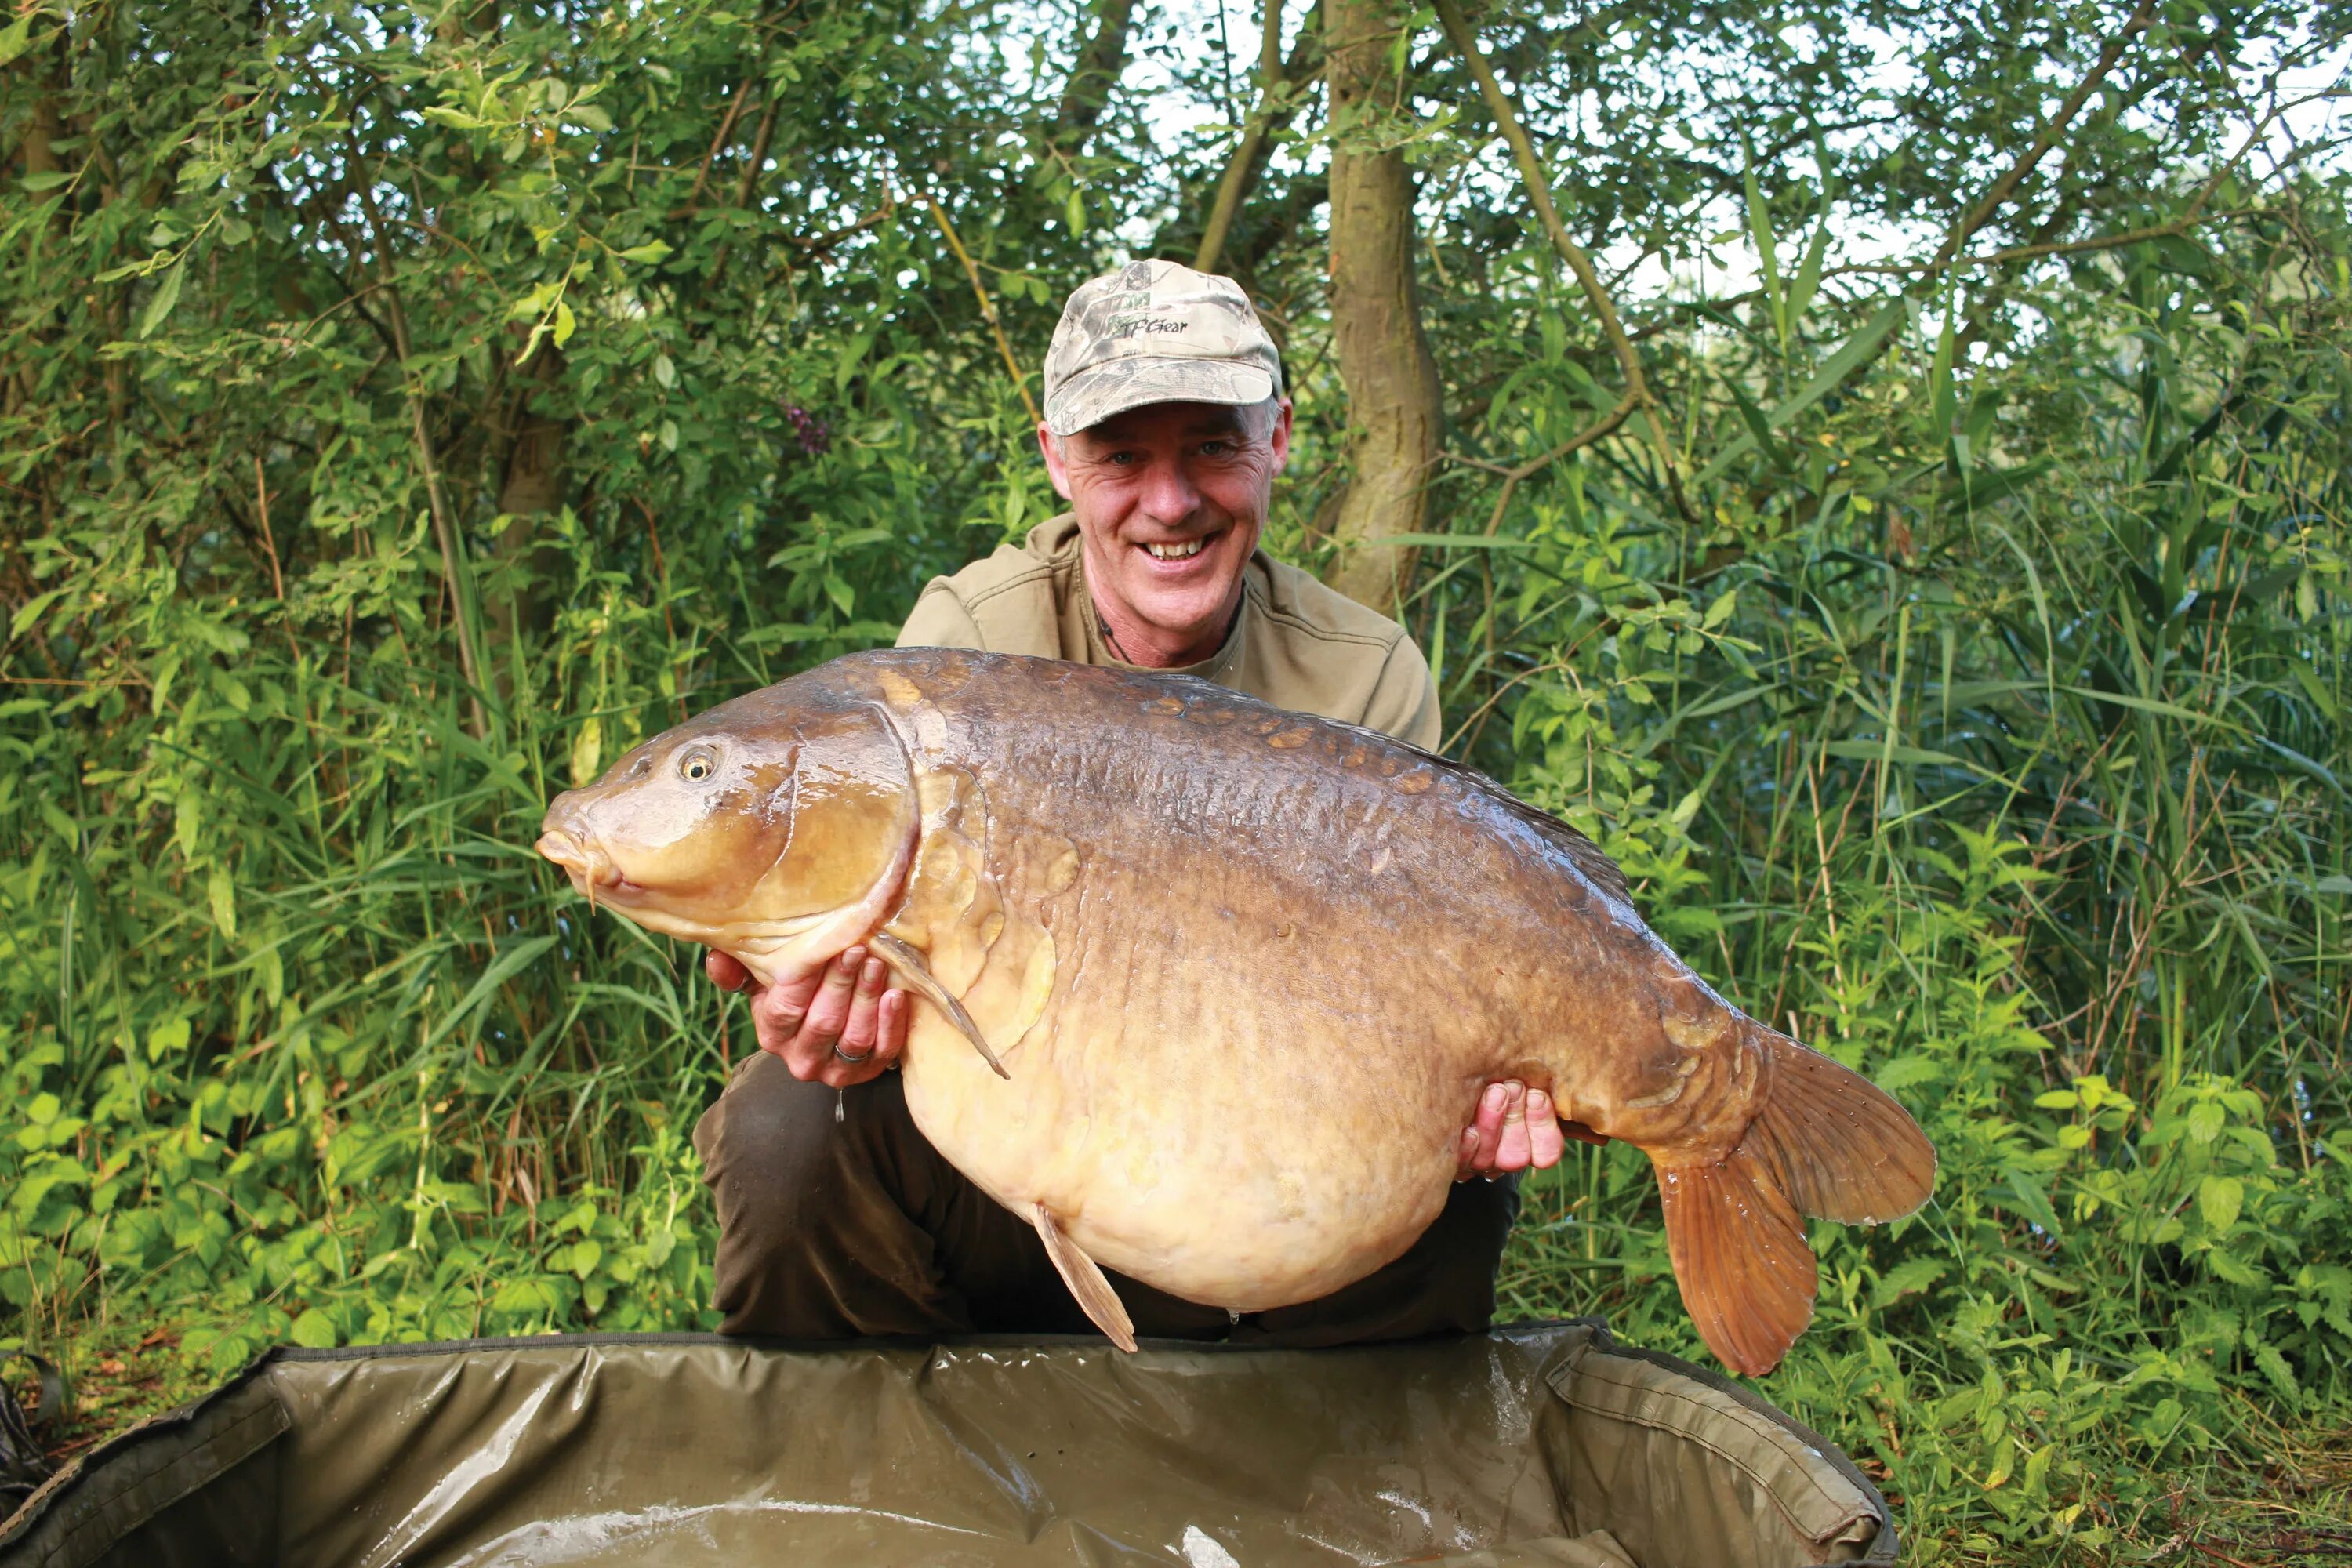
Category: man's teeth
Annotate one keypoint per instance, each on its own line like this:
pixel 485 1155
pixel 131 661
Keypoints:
pixel 1191 547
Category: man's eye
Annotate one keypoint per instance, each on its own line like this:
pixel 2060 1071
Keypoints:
pixel 1123 459
pixel 1216 448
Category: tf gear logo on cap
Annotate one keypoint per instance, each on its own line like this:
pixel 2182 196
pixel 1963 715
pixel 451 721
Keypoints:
pixel 1154 332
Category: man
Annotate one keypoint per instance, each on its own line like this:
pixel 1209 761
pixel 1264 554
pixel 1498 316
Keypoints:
pixel 1164 427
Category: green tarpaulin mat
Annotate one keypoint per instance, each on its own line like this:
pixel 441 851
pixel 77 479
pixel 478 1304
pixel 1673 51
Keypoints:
pixel 1543 1444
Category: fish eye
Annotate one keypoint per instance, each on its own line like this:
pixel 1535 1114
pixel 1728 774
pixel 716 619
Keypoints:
pixel 697 764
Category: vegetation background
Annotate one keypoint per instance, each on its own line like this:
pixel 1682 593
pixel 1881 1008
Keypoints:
pixel 1880 468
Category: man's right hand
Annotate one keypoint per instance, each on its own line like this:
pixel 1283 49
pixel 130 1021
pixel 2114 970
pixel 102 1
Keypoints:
pixel 819 1017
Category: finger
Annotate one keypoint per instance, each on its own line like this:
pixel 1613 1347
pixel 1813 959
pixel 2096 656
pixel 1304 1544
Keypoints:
pixel 778 1008
pixel 1462 1152
pixel 1511 1148
pixel 829 1008
pixel 801 1027
pixel 776 1016
pixel 1544 1141
pixel 858 1030
pixel 890 1028
pixel 1487 1128
pixel 726 971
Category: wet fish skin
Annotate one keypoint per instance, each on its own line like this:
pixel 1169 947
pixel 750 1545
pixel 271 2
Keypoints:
pixel 1247 971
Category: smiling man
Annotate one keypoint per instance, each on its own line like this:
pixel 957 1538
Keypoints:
pixel 1165 425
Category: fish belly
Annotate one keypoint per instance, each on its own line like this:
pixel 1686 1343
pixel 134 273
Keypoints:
pixel 1241 1143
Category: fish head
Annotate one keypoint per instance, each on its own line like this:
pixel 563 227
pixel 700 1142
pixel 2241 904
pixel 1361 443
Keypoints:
pixel 763 828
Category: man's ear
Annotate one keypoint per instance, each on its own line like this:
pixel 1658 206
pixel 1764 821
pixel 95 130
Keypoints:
pixel 1056 469
pixel 1279 437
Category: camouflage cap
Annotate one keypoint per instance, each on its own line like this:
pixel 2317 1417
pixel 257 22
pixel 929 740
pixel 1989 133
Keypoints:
pixel 1154 332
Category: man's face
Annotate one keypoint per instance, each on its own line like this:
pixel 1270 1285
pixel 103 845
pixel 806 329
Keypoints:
pixel 1169 498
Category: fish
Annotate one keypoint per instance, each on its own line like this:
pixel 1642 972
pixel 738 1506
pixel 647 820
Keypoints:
pixel 1211 989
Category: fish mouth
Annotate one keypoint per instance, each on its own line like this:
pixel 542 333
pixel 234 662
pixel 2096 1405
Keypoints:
pixel 590 869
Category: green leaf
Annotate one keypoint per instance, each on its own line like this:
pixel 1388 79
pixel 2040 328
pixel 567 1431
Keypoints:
pixel 30 611
pixel 2032 1202
pixel 1907 1278
pixel 2218 1199
pixel 456 119
pixel 221 892
pixel 315 1330
pixel 2282 1376
pixel 664 373
pixel 1871 751
pixel 565 322
pixel 652 251
pixel 506 963
pixel 166 295
pixel 167 1038
pixel 2227 1266
pixel 587 751
pixel 525 1296
pixel 1759 230
pixel 45 179
pixel 1808 280
pixel 1448 541
pixel 1850 355
pixel 17 38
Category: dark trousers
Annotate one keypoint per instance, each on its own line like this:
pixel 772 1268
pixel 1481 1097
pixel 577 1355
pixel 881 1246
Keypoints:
pixel 834 1229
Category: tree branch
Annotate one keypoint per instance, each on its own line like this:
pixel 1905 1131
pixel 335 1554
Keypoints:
pixel 2047 137
pixel 1101 60
pixel 1511 477
pixel 454 569
pixel 744 185
pixel 987 306
pixel 726 129
pixel 1241 171
pixel 1629 358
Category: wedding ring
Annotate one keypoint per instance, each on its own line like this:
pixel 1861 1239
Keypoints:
pixel 845 1056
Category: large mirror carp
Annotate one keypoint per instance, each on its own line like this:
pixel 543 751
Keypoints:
pixel 1215 987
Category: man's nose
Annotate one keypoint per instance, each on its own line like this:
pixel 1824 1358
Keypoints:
pixel 1168 493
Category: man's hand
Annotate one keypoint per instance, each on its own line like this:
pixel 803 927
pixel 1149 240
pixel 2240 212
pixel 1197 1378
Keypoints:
pixel 834 1023
pixel 1516 1126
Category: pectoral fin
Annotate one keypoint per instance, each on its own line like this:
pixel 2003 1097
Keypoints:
pixel 908 965
pixel 1085 1278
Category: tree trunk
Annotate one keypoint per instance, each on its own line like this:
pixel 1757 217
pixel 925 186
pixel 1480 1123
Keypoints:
pixel 35 152
pixel 533 486
pixel 533 482
pixel 1396 409
pixel 1101 61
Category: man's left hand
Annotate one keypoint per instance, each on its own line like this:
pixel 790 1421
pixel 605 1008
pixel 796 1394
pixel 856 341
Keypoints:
pixel 1516 1128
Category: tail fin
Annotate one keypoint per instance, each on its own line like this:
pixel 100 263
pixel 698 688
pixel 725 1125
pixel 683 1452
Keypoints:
pixel 1827 1142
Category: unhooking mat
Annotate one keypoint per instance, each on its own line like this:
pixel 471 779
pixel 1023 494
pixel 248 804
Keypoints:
pixel 1544 1445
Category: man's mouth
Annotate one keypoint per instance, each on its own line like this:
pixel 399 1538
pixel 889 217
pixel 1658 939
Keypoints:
pixel 1179 549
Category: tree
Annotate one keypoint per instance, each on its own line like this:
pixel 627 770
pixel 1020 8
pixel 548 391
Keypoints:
pixel 1395 410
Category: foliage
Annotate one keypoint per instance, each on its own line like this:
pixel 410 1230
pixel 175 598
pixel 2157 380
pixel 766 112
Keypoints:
pixel 1980 722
